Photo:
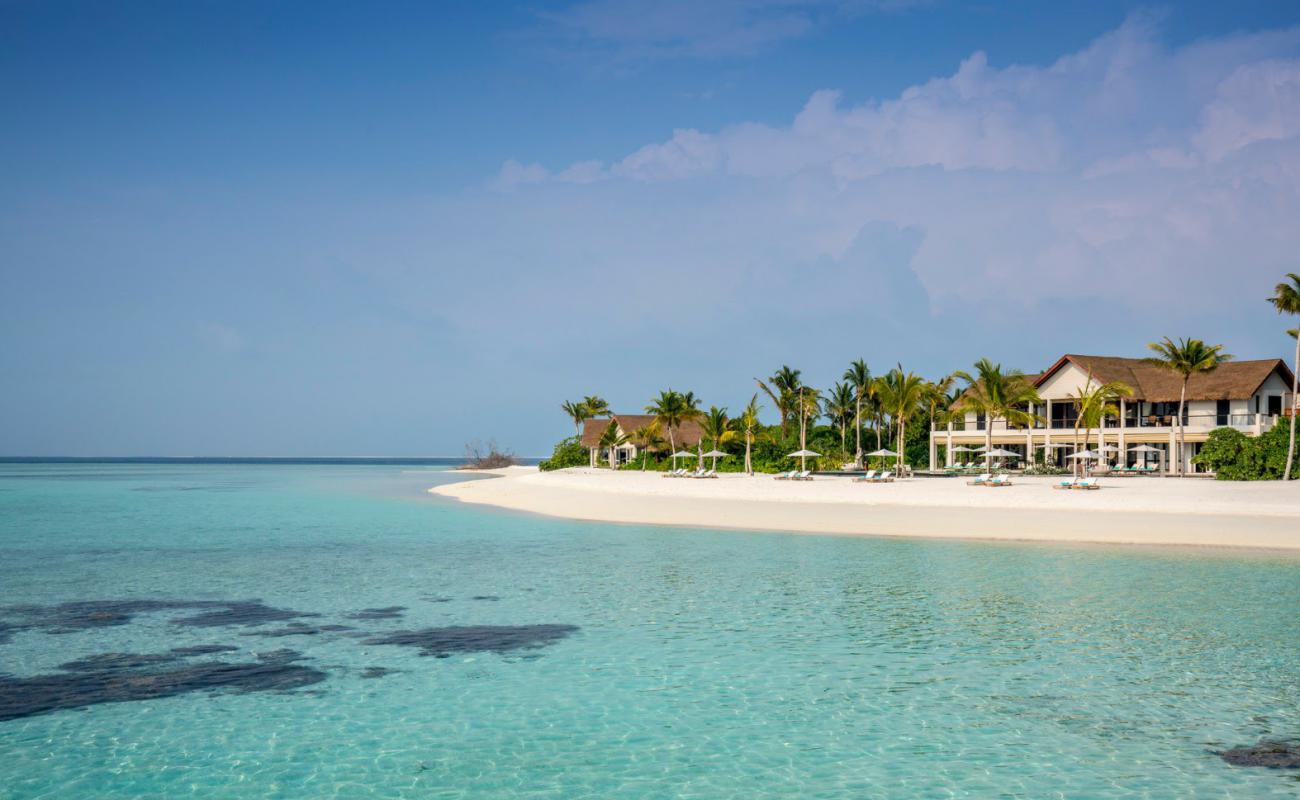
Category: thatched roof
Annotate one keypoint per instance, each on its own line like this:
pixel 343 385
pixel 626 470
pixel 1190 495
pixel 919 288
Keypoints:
pixel 1233 380
pixel 688 434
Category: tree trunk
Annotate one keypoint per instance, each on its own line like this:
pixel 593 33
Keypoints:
pixel 857 421
pixel 1182 448
pixel 1077 461
pixel 749 466
pixel 1295 386
pixel 988 441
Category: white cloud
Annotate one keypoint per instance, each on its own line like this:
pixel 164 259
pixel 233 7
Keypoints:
pixel 1003 198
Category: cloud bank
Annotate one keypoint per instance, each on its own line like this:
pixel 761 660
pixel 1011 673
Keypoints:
pixel 1114 176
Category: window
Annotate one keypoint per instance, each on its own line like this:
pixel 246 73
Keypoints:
pixel 1221 412
pixel 979 422
pixel 1274 405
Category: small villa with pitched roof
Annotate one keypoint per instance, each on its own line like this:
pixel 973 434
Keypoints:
pixel 687 435
pixel 1249 396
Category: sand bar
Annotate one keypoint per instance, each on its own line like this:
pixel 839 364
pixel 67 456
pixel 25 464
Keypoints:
pixel 1126 510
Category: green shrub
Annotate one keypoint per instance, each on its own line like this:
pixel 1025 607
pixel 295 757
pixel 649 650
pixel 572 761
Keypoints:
pixel 1234 456
pixel 568 453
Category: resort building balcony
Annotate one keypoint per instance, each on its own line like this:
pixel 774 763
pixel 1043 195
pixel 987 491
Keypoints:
pixel 1248 396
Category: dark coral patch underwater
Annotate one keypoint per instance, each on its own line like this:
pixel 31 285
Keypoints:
pixel 443 642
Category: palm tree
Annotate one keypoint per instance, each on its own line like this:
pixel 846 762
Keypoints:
pixel 1286 299
pixel 935 397
pixel 717 428
pixel 691 411
pixel 901 394
pixel 1187 357
pixel 596 406
pixel 648 439
pixel 876 406
pixel 748 424
pixel 997 395
pixel 578 412
pixel 839 406
pixel 784 384
pixel 612 439
pixel 1093 403
pixel 806 403
pixel 859 377
pixel 669 409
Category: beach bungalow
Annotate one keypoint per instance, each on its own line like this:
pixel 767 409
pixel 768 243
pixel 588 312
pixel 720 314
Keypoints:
pixel 686 435
pixel 1247 395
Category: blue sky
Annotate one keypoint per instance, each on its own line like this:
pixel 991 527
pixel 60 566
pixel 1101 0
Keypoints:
pixel 384 229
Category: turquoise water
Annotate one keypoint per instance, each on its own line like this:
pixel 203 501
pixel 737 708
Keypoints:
pixel 699 664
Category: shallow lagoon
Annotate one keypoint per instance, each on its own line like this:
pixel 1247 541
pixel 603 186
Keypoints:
pixel 466 652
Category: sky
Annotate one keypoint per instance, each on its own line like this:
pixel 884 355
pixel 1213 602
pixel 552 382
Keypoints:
pixel 386 229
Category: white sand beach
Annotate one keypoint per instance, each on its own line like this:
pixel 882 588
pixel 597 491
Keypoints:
pixel 1126 510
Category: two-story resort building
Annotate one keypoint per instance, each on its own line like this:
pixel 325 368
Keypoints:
pixel 687 435
pixel 1247 395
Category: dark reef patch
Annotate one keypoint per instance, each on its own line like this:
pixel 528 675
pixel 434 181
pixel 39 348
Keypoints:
pixel 300 629
pixel 88 614
pixel 443 642
pixel 375 672
pixel 491 597
pixel 126 677
pixel 388 612
pixel 118 662
pixel 1275 755
pixel 244 613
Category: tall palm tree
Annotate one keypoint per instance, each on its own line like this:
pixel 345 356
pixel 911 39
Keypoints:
pixel 1093 403
pixel 597 406
pixel 901 395
pixel 784 384
pixel 839 406
pixel 748 424
pixel 1187 357
pixel 691 411
pixel 807 403
pixel 669 409
pixel 935 397
pixel 578 412
pixel 875 406
pixel 612 439
pixel 717 427
pixel 997 395
pixel 648 439
pixel 1286 299
pixel 859 377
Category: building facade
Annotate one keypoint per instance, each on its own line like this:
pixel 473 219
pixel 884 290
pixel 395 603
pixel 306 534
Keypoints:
pixel 1247 395
pixel 687 435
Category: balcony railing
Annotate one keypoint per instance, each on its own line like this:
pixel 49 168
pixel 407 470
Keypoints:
pixel 1194 421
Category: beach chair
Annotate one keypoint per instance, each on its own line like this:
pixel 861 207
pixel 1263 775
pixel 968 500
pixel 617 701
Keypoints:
pixel 1068 483
pixel 1002 480
pixel 806 475
pixel 884 477
pixel 782 476
pixel 868 478
pixel 676 473
pixel 1087 483
pixel 713 473
pixel 981 480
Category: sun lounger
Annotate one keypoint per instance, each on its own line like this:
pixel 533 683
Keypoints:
pixel 806 475
pixel 1087 483
pixel 712 473
pixel 1002 480
pixel 868 478
pixel 1065 484
pixel 884 477
pixel 677 473
pixel 783 476
pixel 981 480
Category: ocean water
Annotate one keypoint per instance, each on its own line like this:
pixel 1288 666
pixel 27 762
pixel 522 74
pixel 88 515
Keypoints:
pixel 511 656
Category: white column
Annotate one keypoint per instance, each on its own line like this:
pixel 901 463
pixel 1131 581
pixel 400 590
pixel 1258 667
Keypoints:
pixel 947 455
pixel 1123 454
pixel 1047 434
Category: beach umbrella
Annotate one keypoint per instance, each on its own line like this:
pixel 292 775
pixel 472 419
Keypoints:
pixel 1144 449
pixel 883 452
pixel 681 454
pixel 715 455
pixel 1000 453
pixel 1084 454
pixel 803 455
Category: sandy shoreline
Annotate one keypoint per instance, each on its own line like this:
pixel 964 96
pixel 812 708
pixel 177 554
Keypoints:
pixel 1125 511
